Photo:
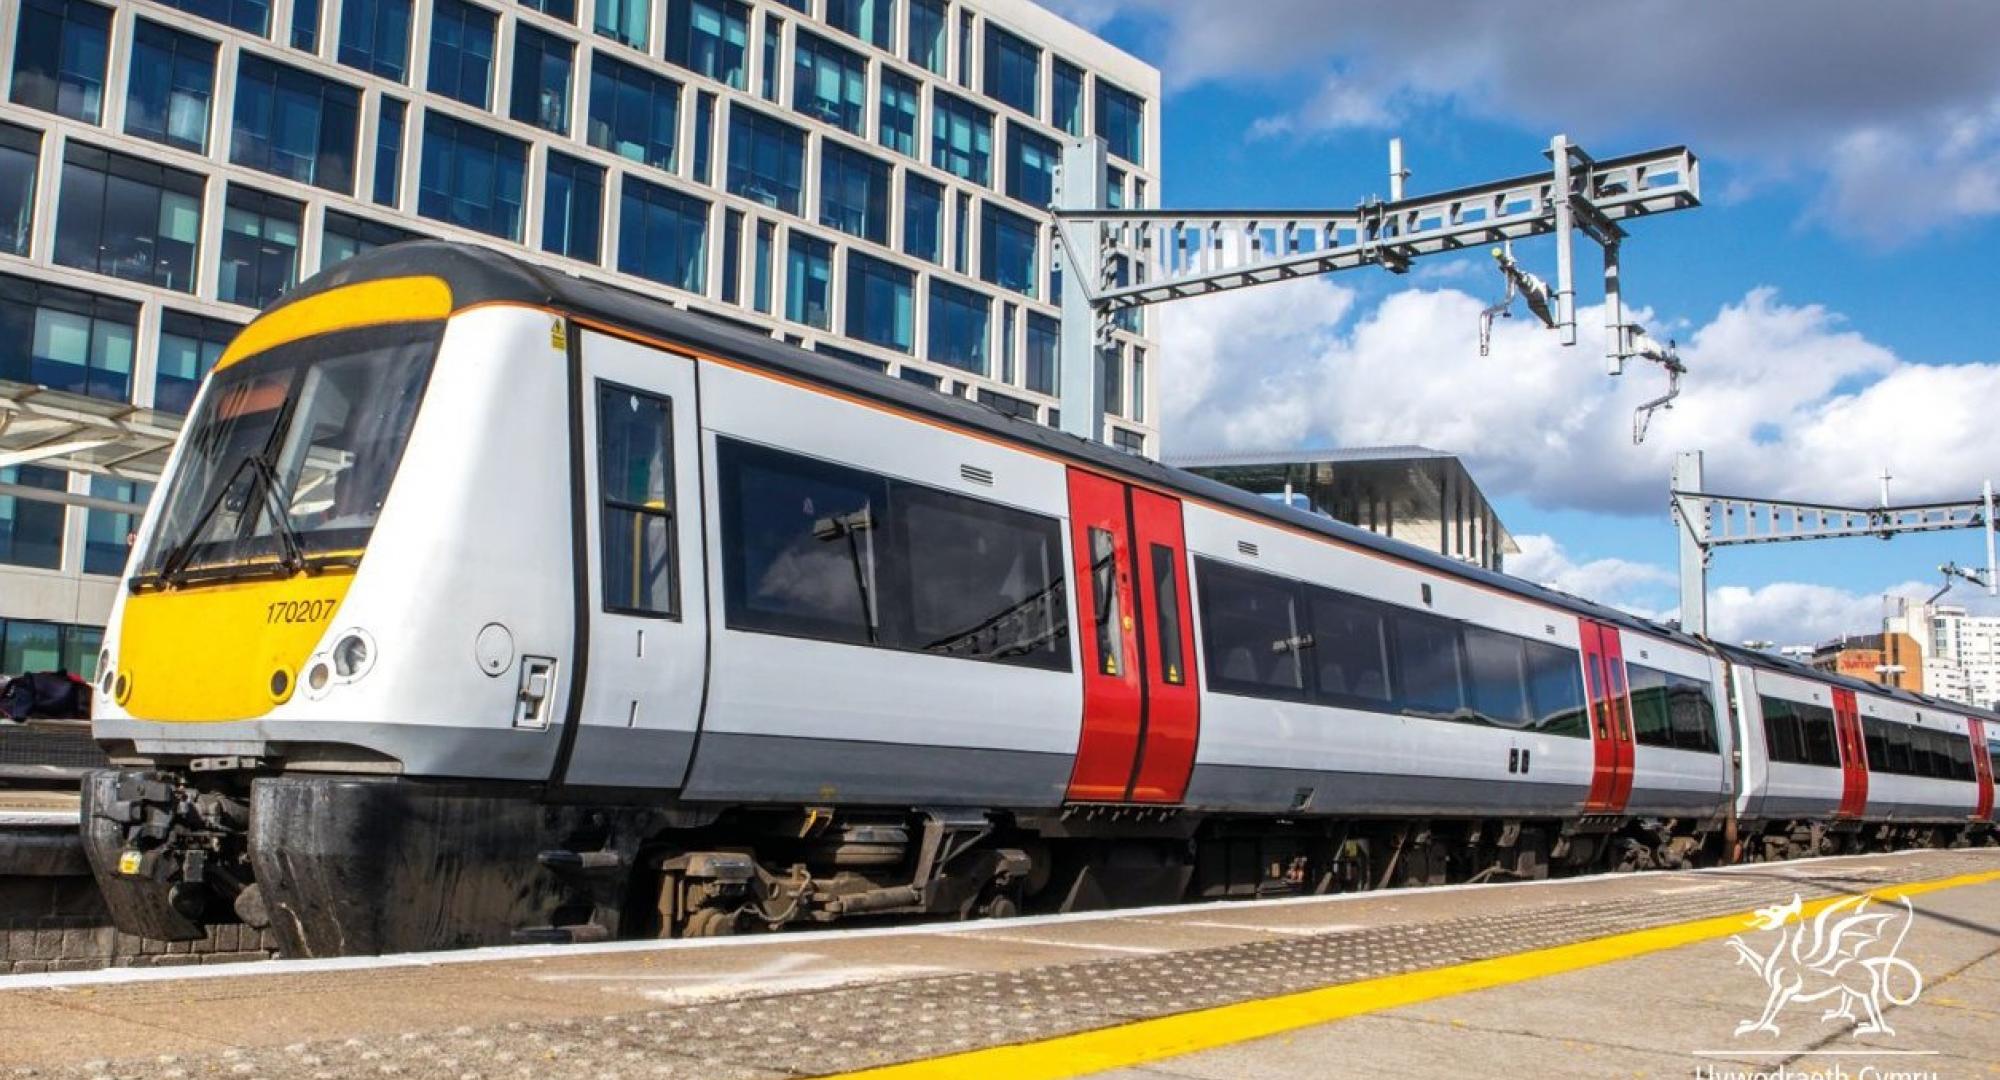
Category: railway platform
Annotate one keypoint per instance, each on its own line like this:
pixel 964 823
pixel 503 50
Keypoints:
pixel 1626 975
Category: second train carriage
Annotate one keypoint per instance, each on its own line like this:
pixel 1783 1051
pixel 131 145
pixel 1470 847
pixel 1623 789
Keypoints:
pixel 480 602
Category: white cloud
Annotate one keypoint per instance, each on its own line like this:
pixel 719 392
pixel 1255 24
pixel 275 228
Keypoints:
pixel 1792 613
pixel 1784 399
pixel 1619 582
pixel 1877 98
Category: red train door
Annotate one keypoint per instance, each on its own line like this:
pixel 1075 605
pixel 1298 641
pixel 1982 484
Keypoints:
pixel 1140 703
pixel 1610 717
pixel 1853 754
pixel 1982 769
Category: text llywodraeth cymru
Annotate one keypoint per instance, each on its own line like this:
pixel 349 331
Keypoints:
pixel 1835 1071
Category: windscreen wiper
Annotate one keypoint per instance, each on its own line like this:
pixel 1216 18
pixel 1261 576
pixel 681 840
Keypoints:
pixel 176 559
pixel 278 506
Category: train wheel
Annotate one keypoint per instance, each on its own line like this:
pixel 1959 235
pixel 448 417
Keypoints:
pixel 711 922
pixel 1002 907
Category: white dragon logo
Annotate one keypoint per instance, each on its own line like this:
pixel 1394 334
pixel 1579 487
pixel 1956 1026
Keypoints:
pixel 1841 954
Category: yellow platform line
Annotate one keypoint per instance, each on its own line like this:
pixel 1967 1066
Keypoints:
pixel 1206 1029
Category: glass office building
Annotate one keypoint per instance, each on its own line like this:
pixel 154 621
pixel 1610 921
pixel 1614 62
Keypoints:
pixel 867 178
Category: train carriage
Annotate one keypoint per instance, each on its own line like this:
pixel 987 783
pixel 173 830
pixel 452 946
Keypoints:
pixel 482 603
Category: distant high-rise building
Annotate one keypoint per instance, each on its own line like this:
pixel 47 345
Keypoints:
pixel 868 178
pixel 1961 652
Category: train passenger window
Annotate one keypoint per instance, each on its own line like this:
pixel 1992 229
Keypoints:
pixel 1555 685
pixel 1350 651
pixel 1652 718
pixel 1961 757
pixel 1875 736
pixel 635 486
pixel 1922 761
pixel 1691 703
pixel 1822 746
pixel 1104 600
pixel 985 582
pixel 1167 614
pixel 801 545
pixel 1496 672
pixel 1428 674
pixel 1897 744
pixel 1251 632
pixel 1781 731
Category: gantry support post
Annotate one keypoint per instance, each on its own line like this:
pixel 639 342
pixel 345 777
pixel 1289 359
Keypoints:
pixel 1081 187
pixel 1694 522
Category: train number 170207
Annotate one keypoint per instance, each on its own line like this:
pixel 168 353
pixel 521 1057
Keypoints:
pixel 298 611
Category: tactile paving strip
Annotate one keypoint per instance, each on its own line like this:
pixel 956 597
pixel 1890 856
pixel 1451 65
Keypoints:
pixel 813 1033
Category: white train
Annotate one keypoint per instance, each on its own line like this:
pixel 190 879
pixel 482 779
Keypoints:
pixel 482 603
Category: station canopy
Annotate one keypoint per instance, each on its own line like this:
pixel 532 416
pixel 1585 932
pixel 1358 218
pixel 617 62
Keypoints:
pixel 56 429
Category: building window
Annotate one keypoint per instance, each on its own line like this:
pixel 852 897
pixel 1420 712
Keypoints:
pixel 710 37
pixel 471 177
pixel 107 535
pixel 760 273
pixel 624 21
pixel 389 153
pixel 927 48
pixel 250 16
pixel 809 281
pixel 375 37
pixel 922 378
pixel 1114 188
pixel 961 234
pixel 305 25
pixel 1043 353
pixel 31 534
pixel 635 480
pixel 1013 70
pixel 1008 244
pixel 965 48
pixel 542 67
pixel 774 33
pixel 633 113
pixel 732 256
pixel 171 80
pixel 1066 103
pixel 961 138
pixel 1121 119
pixel 294 125
pixel 854 193
pixel 128 218
pixel 20 158
pixel 1131 442
pixel 260 247
pixel 873 21
pixel 766 159
pixel 573 192
pixel 1111 376
pixel 959 320
pixel 561 9
pixel 662 235
pixel 880 302
pixel 461 65
pixel 60 56
pixel 27 646
pixel 344 236
pixel 704 135
pixel 829 83
pixel 896 117
pixel 66 339
pixel 1138 384
pixel 189 347
pixel 923 217
pixel 1031 166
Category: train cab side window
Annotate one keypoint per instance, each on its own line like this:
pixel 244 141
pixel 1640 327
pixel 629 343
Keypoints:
pixel 1252 634
pixel 1495 666
pixel 1555 686
pixel 1167 614
pixel 1104 601
pixel 636 486
pixel 985 582
pixel 802 545
pixel 1429 678
pixel 1351 652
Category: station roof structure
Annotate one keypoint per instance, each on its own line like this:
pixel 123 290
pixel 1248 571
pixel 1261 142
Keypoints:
pixel 1415 494
pixel 63 430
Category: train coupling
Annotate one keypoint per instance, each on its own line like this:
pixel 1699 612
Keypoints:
pixel 169 857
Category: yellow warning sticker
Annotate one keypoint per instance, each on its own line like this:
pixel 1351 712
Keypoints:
pixel 128 862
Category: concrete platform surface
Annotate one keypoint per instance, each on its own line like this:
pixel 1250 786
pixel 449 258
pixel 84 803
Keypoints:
pixel 1623 975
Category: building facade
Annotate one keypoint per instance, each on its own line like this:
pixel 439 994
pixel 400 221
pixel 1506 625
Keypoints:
pixel 1890 658
pixel 1411 493
pixel 867 178
pixel 1961 651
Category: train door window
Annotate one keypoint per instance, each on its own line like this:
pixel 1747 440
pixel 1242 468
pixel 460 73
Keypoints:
pixel 635 488
pixel 1350 651
pixel 1875 736
pixel 1652 718
pixel 1428 674
pixel 1896 743
pixel 1781 730
pixel 1691 705
pixel 1252 633
pixel 1495 670
pixel 1822 746
pixel 1167 613
pixel 802 545
pixel 985 581
pixel 1555 686
pixel 1104 598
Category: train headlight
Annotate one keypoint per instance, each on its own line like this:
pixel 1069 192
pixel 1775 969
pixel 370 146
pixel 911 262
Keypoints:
pixel 353 654
pixel 105 673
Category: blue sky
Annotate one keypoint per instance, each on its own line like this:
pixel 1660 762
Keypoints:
pixel 1835 297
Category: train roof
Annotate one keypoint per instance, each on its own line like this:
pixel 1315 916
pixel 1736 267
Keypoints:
pixel 479 275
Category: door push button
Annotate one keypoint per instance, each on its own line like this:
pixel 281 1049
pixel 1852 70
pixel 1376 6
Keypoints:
pixel 534 699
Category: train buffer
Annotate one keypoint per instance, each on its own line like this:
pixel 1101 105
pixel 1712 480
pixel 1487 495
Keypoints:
pixel 1658 974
